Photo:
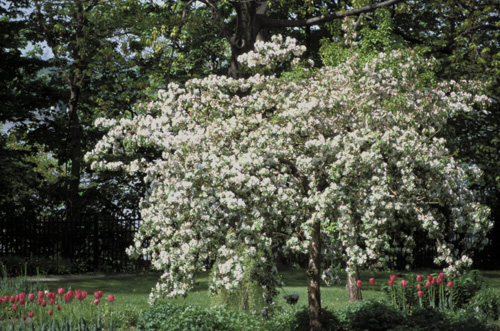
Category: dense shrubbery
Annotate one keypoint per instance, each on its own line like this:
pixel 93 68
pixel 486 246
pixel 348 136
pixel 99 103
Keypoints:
pixel 365 315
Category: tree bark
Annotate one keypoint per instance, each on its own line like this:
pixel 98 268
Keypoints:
pixel 352 286
pixel 73 203
pixel 314 277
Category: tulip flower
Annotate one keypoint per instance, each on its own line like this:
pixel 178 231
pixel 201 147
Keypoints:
pixel 450 284
pixel 44 303
pixel 419 287
pixel 58 307
pixel 111 298
pixel 372 281
pixel 51 312
pixel 96 302
pixel 392 277
pixel 31 297
pixel 428 284
pixel 30 314
pixel 441 275
pixel 419 278
pixel 52 301
pixel 12 299
pixel 404 283
pixel 429 278
pixel 420 294
pixel 391 283
pixel 439 280
pixel 41 294
pixel 14 307
pixel 60 291
pixel 359 283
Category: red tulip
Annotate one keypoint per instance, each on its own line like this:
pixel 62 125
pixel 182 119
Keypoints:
pixel 439 280
pixel 84 294
pixel 41 294
pixel 434 281
pixel 391 283
pixel 22 302
pixel 372 281
pixel 71 295
pixel 392 277
pixel 96 302
pixel 25 317
pixel 60 291
pixel 6 298
pixel 359 283
pixel 111 298
pixel 14 307
pixel 420 294
pixel 441 275
pixel 31 297
pixel 30 314
pixel 51 312
pixel 419 278
pixel 12 299
pixel 450 284
pixel 67 298
pixel 404 283
pixel 44 303
pixel 52 301
pixel 429 278
pixel 98 294
pixel 58 307
pixel 22 296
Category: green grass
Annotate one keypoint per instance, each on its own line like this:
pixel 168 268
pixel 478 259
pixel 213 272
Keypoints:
pixel 133 289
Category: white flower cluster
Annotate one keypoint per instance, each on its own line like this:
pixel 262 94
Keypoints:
pixel 249 174
pixel 269 54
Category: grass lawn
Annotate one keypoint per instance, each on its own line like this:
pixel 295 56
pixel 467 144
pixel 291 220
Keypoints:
pixel 134 289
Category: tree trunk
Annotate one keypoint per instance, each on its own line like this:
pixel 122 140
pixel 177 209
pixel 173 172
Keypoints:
pixel 73 202
pixel 247 31
pixel 314 277
pixel 352 286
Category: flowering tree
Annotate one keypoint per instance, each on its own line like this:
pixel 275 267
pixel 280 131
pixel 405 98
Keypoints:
pixel 338 161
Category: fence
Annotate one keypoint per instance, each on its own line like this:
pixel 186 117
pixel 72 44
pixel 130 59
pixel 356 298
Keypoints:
pixel 96 241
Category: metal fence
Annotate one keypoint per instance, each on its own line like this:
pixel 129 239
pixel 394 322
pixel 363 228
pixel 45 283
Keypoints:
pixel 96 241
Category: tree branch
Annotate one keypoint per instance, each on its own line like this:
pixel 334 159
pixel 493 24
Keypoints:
pixel 275 23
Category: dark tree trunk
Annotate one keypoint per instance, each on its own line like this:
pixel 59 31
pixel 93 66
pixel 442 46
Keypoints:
pixel 247 29
pixel 73 202
pixel 314 278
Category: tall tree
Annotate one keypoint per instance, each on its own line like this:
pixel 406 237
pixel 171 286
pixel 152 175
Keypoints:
pixel 255 165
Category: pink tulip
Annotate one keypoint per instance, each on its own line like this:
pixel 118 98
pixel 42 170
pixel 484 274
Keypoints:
pixel 404 283
pixel 52 301
pixel 14 307
pixel 392 277
pixel 450 284
pixel 12 299
pixel 420 294
pixel 372 281
pixel 71 295
pixel 111 298
pixel 419 278
pixel 98 294
pixel 44 303
pixel 30 314
pixel 429 278
pixel 439 280
pixel 428 284
pixel 391 283
pixel 441 275
pixel 359 283
pixel 96 302
pixel 419 287
pixel 22 302
pixel 31 297
pixel 51 312
pixel 41 294
pixel 60 291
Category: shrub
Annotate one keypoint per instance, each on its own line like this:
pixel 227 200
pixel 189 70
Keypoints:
pixel 466 287
pixel 373 316
pixel 486 303
pixel 299 321
pixel 178 318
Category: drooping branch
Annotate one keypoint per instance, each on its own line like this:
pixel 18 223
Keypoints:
pixel 276 23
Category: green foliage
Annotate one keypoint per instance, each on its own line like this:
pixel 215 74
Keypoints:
pixel 171 317
pixel 373 316
pixel 300 321
pixel 486 304
pixel 466 287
